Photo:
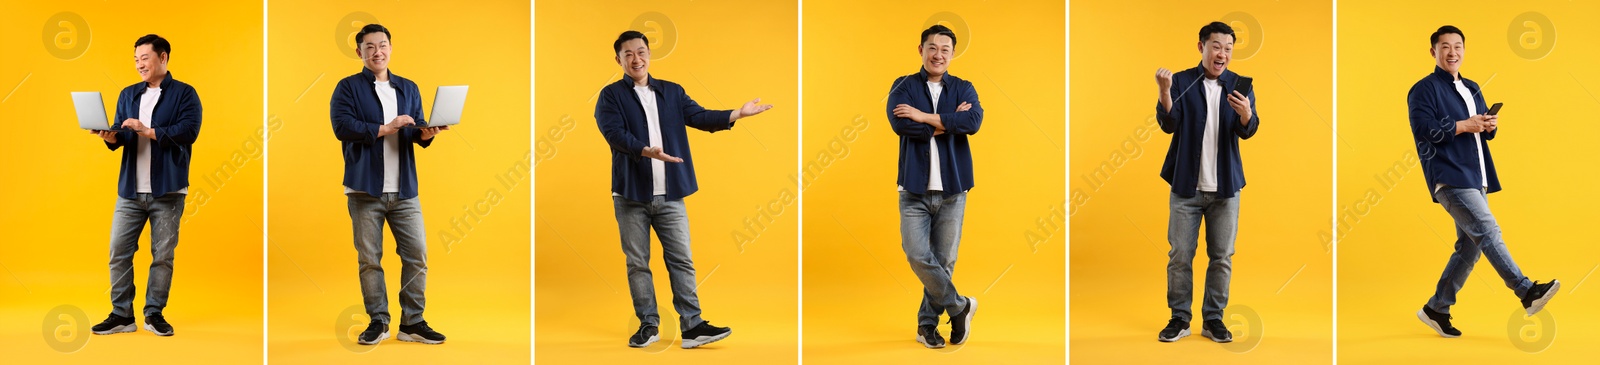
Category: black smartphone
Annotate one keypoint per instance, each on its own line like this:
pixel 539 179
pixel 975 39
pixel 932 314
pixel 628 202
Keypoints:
pixel 1243 86
pixel 1494 109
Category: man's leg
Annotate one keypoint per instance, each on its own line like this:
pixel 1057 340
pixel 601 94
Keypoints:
pixel 671 222
pixel 126 225
pixel 366 221
pixel 411 244
pixel 1222 227
pixel 1470 208
pixel 1183 230
pixel 1455 273
pixel 633 225
pixel 917 215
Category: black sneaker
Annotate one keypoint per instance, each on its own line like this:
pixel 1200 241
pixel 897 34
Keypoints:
pixel 961 322
pixel 113 324
pixel 376 332
pixel 1176 328
pixel 703 334
pixel 157 324
pixel 647 335
pixel 929 336
pixel 1439 322
pixel 420 332
pixel 1216 331
pixel 1538 295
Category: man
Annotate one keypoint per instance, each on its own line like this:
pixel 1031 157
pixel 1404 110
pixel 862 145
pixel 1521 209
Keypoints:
pixel 1451 130
pixel 370 112
pixel 1205 172
pixel 159 121
pixel 643 119
pixel 934 112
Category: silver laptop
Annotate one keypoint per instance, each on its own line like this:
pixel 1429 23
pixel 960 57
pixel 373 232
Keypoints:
pixel 91 111
pixel 447 105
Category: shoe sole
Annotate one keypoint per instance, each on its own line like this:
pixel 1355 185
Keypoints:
pixel 1207 334
pixel 1181 334
pixel 1538 304
pixel 972 310
pixel 690 343
pixel 407 337
pixel 152 329
pixel 118 329
pixel 647 342
pixel 925 344
pixel 381 337
pixel 1434 325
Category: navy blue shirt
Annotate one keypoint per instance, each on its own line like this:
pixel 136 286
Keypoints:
pixel 1448 158
pixel 176 119
pixel 357 113
pixel 955 154
pixel 622 122
pixel 1187 121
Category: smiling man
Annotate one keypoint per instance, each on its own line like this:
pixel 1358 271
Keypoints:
pixel 370 111
pixel 645 121
pixel 158 121
pixel 933 112
pixel 1206 174
pixel 1451 130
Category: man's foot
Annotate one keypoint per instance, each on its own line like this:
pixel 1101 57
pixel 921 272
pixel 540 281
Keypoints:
pixel 1216 331
pixel 1538 295
pixel 376 332
pixel 1439 322
pixel 961 322
pixel 929 336
pixel 1176 328
pixel 157 324
pixel 420 332
pixel 703 334
pixel 113 324
pixel 647 335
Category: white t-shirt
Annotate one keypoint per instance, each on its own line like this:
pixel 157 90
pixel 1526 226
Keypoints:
pixel 652 116
pixel 1208 143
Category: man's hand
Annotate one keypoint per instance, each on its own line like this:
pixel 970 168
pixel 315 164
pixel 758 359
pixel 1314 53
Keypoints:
pixel 394 125
pixel 1477 124
pixel 1241 105
pixel 428 133
pixel 749 109
pixel 109 136
pixel 1164 81
pixel 655 153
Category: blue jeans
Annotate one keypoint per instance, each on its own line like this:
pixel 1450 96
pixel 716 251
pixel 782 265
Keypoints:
pixel 930 234
pixel 1476 232
pixel 367 215
pixel 163 213
pixel 1221 216
pixel 671 222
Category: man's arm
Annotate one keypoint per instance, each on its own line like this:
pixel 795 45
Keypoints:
pixel 347 126
pixel 186 129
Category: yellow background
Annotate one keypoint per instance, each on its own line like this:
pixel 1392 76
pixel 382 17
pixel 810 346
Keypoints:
pixel 723 53
pixel 475 173
pixel 1282 265
pixel 1395 240
pixel 61 182
pixel 861 296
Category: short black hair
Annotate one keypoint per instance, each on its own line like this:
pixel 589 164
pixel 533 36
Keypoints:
pixel 372 28
pixel 157 44
pixel 1216 27
pixel 628 36
pixel 938 29
pixel 1448 29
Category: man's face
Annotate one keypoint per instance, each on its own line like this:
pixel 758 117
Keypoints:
pixel 635 58
pixel 151 66
pixel 374 51
pixel 1447 53
pixel 936 51
pixel 1215 54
